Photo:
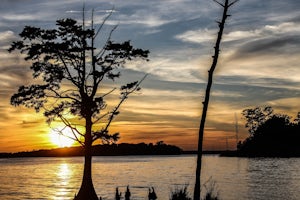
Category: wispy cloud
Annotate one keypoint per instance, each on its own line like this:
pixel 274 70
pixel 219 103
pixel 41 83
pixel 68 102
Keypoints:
pixel 207 35
pixel 19 17
pixel 197 36
pixel 6 35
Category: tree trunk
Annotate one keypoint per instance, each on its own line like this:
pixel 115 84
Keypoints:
pixel 197 189
pixel 87 191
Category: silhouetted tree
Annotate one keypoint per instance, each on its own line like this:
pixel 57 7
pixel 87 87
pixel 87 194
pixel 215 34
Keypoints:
pixel 70 71
pixel 226 5
pixel 270 134
pixel 257 116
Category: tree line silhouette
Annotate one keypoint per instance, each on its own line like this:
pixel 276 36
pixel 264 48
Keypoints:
pixel 160 148
pixel 271 134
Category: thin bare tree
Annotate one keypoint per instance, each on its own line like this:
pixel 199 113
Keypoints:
pixel 226 5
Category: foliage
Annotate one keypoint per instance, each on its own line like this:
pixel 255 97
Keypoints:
pixel 272 135
pixel 256 117
pixel 70 69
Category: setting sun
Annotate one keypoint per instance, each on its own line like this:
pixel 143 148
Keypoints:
pixel 61 140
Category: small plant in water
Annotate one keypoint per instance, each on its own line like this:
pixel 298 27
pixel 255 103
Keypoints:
pixel 212 192
pixel 210 188
pixel 180 194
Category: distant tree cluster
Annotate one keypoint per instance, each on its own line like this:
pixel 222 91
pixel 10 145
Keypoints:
pixel 160 148
pixel 271 134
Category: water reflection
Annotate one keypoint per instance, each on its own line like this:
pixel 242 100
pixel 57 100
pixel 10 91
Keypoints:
pixel 271 179
pixel 236 178
pixel 63 175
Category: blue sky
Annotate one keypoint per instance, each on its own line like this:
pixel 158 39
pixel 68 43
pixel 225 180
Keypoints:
pixel 259 65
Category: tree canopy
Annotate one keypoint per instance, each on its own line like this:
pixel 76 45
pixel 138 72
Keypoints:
pixel 67 56
pixel 271 134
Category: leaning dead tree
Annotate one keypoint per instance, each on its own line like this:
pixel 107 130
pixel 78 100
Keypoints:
pixel 226 5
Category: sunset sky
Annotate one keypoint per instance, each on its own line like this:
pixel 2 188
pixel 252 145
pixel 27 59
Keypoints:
pixel 259 65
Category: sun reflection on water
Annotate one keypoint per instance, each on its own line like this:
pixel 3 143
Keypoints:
pixel 64 175
pixel 64 172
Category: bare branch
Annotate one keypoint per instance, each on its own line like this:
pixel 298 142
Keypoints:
pixel 83 17
pixel 104 21
pixel 67 123
pixel 60 132
pixel 232 3
pixel 219 3
pixel 115 110
pixel 74 130
pixel 101 117
pixel 92 19
pixel 71 78
pixel 59 96
pixel 100 54
pixel 75 65
pixel 109 92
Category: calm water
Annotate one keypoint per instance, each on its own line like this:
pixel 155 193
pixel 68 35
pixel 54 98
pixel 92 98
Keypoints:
pixel 236 178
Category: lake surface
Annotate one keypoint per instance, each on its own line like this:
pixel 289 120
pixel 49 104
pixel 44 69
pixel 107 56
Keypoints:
pixel 236 178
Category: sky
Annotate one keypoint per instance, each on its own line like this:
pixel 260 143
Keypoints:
pixel 258 66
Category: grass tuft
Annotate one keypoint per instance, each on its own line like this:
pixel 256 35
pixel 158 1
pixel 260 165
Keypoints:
pixel 180 194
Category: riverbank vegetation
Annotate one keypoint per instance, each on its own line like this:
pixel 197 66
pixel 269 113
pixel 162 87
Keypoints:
pixel 271 134
pixel 123 149
pixel 210 188
pixel 176 194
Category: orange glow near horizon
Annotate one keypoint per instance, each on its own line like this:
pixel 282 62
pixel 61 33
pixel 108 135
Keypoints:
pixel 161 119
pixel 30 131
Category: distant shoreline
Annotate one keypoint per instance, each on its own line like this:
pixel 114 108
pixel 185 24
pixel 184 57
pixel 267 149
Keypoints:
pixel 13 155
pixel 134 151
pixel 122 149
pixel 258 155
